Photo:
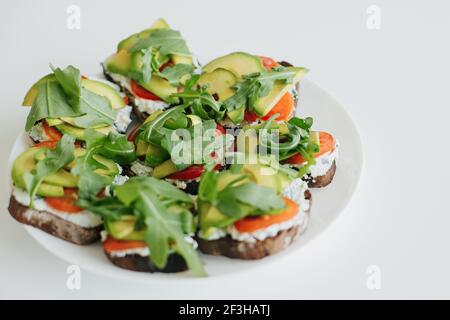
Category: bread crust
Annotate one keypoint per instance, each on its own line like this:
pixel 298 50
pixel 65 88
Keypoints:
pixel 322 181
pixel 135 262
pixel 52 224
pixel 229 247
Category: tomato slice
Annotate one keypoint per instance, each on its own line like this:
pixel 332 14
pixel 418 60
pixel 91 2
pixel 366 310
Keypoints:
pixel 65 203
pixel 284 108
pixel 327 144
pixel 126 100
pixel 110 244
pixel 251 224
pixel 268 63
pixel 133 133
pixel 142 92
pixel 220 129
pixel 190 173
pixel 51 132
pixel 46 144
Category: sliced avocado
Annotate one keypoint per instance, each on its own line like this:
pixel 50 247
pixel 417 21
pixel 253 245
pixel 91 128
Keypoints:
pixel 77 152
pixel 141 148
pixel 104 90
pixel 266 103
pixel 219 82
pixel 123 229
pixel 25 162
pixel 210 216
pixel 283 180
pixel 160 87
pixel 62 178
pixel 31 95
pixel 129 42
pixel 53 121
pixel 177 59
pixel 164 169
pixel 237 115
pixel 111 169
pixel 239 63
pixel 119 62
pixel 269 180
pixel 78 133
pixel 224 178
pixel 155 156
pixel 314 136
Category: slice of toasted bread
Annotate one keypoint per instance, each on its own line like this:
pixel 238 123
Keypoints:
pixel 321 181
pixel 229 247
pixel 52 224
pixel 135 262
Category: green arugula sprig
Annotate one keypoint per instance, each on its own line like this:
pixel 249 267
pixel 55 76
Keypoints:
pixel 54 160
pixel 239 198
pixel 113 146
pixel 162 210
pixel 255 86
pixel 66 97
pixel 154 51
pixel 198 101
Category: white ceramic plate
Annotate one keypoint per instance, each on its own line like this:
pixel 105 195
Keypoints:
pixel 328 203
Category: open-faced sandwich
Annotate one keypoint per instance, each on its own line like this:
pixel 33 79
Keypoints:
pixel 175 146
pixel 150 66
pixel 250 212
pixel 149 227
pixel 64 102
pixel 251 87
pixel 50 177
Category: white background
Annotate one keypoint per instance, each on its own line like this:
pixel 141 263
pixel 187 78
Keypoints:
pixel 393 81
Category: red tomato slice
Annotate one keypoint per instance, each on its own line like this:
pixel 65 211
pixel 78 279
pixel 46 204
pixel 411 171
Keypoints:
pixel 268 63
pixel 220 129
pixel 111 244
pixel 133 133
pixel 65 203
pixel 142 92
pixel 327 144
pixel 251 224
pixel 126 100
pixel 284 108
pixel 250 116
pixel 192 172
pixel 52 133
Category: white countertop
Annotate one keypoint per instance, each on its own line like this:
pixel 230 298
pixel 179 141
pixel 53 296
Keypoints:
pixel 393 81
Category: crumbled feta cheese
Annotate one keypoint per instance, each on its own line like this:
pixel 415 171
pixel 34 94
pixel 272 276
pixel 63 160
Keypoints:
pixel 123 119
pixel 37 132
pixel 140 169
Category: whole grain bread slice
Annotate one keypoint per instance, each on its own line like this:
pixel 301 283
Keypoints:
pixel 135 262
pixel 52 224
pixel 321 181
pixel 229 247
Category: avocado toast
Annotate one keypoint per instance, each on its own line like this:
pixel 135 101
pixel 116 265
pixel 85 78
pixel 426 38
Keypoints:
pixel 251 87
pixel 49 178
pixel 247 213
pixel 149 227
pixel 64 102
pixel 150 66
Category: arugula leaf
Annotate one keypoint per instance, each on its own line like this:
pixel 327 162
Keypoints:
pixel 90 182
pixel 51 102
pixel 255 86
pixel 70 80
pixel 176 72
pixel 54 160
pixel 207 189
pixel 150 199
pixel 166 40
pixel 107 208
